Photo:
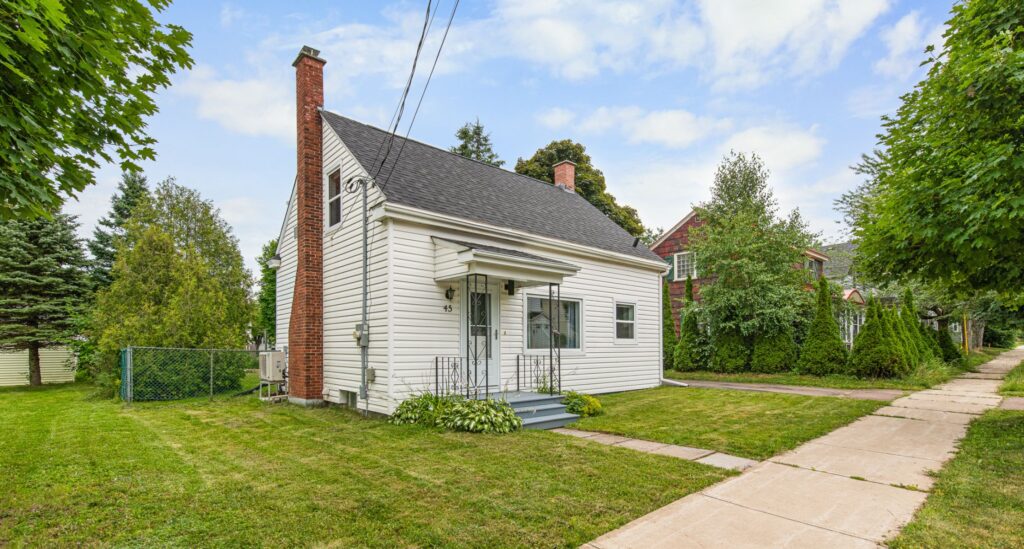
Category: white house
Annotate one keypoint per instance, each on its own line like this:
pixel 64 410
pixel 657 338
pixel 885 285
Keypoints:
pixel 472 272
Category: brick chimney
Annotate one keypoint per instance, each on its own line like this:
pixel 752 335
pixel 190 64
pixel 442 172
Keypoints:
pixel 306 325
pixel 565 175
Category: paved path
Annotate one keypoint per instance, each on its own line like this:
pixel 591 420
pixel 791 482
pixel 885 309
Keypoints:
pixel 854 487
pixel 700 455
pixel 861 394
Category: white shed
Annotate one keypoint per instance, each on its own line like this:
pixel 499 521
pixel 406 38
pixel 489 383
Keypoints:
pixel 56 364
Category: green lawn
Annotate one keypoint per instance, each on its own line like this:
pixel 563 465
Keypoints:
pixel 236 472
pixel 978 500
pixel 923 378
pixel 1014 383
pixel 747 424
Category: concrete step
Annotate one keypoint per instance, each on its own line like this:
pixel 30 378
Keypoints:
pixel 549 422
pixel 539 410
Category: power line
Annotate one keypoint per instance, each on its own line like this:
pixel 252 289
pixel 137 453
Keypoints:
pixel 419 103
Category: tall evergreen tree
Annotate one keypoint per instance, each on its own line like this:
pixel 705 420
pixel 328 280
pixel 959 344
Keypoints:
pixel 266 302
pixel 42 286
pixel 475 143
pixel 874 353
pixel 590 183
pixel 685 356
pixel 823 351
pixel 131 191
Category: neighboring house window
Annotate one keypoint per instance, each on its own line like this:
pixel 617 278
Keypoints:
pixel 538 324
pixel 685 266
pixel 816 266
pixel 625 321
pixel 334 198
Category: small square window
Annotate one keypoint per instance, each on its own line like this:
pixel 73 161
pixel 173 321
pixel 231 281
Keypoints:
pixel 334 198
pixel 625 321
pixel 685 266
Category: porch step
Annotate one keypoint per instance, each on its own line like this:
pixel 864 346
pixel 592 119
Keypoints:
pixel 541 410
pixel 550 421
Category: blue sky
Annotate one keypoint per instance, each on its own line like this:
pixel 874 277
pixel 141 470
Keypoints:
pixel 658 91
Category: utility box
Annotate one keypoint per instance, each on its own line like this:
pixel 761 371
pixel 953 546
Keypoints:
pixel 272 366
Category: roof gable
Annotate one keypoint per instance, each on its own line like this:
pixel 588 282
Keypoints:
pixel 437 180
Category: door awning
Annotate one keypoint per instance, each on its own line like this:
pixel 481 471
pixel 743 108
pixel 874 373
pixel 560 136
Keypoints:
pixel 454 259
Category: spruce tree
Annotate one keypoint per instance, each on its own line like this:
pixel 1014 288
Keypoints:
pixel 668 327
pixel 893 336
pixel 950 351
pixel 265 325
pixel 774 353
pixel 823 351
pixel 900 326
pixel 42 286
pixel 475 143
pixel 908 314
pixel 131 191
pixel 685 356
pixel 874 353
pixel 927 335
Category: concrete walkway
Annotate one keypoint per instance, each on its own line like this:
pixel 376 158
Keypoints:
pixel 861 394
pixel 854 487
pixel 700 455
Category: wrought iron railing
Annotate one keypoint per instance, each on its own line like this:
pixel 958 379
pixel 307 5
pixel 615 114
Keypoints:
pixel 539 373
pixel 459 375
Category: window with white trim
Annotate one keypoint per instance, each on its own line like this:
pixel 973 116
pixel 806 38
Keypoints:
pixel 334 198
pixel 538 323
pixel 684 265
pixel 625 321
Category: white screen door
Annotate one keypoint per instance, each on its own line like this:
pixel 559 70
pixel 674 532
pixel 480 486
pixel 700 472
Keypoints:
pixel 483 345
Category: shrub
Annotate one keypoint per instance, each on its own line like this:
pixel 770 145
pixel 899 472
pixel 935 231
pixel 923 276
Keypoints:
pixel 774 353
pixel 893 337
pixel 668 327
pixel 823 350
pixel 479 416
pixel 909 316
pixel 874 351
pixel 422 409
pixel 685 355
pixel 730 352
pixel 928 336
pixel 899 325
pixel 950 351
pixel 1000 337
pixel 582 405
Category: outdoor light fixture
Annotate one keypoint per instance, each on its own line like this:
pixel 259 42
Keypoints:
pixel 274 262
pixel 449 293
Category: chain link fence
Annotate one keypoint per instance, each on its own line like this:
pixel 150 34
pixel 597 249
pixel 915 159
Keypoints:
pixel 162 373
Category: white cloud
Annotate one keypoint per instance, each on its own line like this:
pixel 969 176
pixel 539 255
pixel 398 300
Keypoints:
pixel 674 128
pixel 229 14
pixel 252 106
pixel 556 118
pixel 782 147
pixel 905 42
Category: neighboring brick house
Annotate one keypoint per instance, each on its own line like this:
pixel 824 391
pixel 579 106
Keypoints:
pixel 673 246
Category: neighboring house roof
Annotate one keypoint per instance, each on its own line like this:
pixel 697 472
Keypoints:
pixel 841 260
pixel 853 295
pixel 505 251
pixel 437 180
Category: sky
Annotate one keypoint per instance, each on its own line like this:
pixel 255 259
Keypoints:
pixel 658 92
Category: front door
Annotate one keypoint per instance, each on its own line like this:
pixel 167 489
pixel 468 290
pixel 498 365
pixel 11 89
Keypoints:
pixel 482 342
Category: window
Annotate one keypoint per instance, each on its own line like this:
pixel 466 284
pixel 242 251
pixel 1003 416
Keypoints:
pixel 625 321
pixel 685 266
pixel 816 266
pixel 334 198
pixel 538 324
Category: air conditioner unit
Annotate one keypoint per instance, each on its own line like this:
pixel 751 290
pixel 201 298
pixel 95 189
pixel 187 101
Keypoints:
pixel 272 365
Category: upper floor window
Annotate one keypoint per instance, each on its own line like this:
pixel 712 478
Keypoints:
pixel 684 265
pixel 334 198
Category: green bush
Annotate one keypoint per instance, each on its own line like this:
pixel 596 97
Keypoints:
pixel 893 337
pixel 730 353
pixel 1000 337
pixel 823 350
pixel 456 413
pixel 685 355
pixel 668 327
pixel 950 351
pixel 774 353
pixel 582 405
pixel 908 314
pixel 874 350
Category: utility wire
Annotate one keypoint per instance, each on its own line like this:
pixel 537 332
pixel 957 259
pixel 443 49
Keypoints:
pixel 426 85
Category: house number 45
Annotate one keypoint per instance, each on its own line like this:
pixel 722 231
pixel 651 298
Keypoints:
pixel 448 308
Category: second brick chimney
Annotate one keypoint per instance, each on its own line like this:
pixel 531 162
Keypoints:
pixel 306 324
pixel 565 175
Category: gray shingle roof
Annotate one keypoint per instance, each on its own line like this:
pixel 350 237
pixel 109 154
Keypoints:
pixel 436 180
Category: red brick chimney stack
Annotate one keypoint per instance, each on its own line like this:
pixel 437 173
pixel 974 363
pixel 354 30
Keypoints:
pixel 306 325
pixel 565 175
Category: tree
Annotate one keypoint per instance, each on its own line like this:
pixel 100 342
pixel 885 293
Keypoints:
pixel 650 235
pixel 685 355
pixel 475 143
pixel 749 253
pixel 668 327
pixel 873 353
pixel 77 78
pixel 775 352
pixel 42 286
pixel 946 201
pixel 731 352
pixel 131 191
pixel 950 351
pixel 823 350
pixel 265 325
pixel 590 183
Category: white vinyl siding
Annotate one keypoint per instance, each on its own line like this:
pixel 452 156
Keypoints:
pixel 54 366
pixel 684 265
pixel 286 249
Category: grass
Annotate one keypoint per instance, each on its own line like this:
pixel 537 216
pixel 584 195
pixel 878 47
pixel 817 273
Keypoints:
pixel 1013 385
pixel 746 424
pixel 978 500
pixel 237 472
pixel 926 375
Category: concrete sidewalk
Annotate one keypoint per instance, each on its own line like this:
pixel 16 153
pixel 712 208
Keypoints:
pixel 854 487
